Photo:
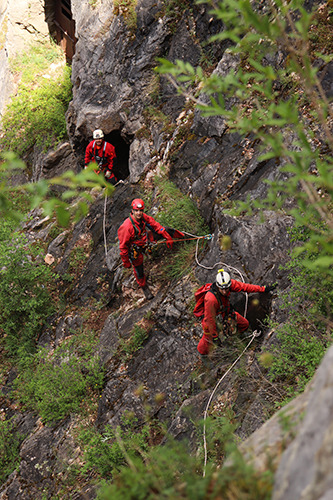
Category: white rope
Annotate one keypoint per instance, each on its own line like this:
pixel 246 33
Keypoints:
pixel 212 395
pixel 219 264
pixel 104 224
pixel 253 336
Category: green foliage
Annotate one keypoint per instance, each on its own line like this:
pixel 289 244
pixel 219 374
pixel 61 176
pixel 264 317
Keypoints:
pixel 9 449
pixel 39 194
pixel 24 296
pixel 178 212
pixel 170 472
pixel 292 126
pixel 106 453
pixel 297 357
pixel 304 339
pixel 127 8
pixel 138 336
pixel 32 64
pixel 36 115
pixel 180 261
pixel 57 384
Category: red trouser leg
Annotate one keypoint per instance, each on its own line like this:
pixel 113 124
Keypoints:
pixel 242 323
pixel 205 344
pixel 138 270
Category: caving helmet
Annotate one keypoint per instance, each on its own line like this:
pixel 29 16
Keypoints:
pixel 98 134
pixel 138 204
pixel 223 279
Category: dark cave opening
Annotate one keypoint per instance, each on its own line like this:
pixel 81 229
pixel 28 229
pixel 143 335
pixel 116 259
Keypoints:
pixel 121 170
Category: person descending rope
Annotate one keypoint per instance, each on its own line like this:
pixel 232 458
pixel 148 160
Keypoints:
pixel 104 154
pixel 214 304
pixel 136 234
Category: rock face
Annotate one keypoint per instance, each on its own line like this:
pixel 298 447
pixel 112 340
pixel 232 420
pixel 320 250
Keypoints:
pixel 305 470
pixel 115 88
pixel 113 71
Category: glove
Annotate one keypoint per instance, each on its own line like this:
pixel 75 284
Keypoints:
pixel 169 242
pixel 127 264
pixel 270 288
pixel 107 174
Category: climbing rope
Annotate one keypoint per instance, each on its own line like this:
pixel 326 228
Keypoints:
pixel 104 225
pixel 104 217
pixel 223 264
pixel 254 335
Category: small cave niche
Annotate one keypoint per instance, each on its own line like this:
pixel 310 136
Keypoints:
pixel 121 170
pixel 58 16
pixel 257 310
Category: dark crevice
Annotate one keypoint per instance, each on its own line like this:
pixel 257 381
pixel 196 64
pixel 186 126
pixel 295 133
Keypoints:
pixel 121 169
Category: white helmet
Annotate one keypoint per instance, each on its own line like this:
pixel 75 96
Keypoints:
pixel 98 134
pixel 223 279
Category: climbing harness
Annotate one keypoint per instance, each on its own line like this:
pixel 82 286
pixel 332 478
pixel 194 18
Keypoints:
pixel 100 160
pixel 253 336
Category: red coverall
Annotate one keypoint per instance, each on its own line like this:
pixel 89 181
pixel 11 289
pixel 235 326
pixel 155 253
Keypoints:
pixel 128 237
pixel 212 308
pixel 107 153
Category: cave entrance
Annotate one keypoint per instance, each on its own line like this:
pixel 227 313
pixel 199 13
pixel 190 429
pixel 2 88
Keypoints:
pixel 121 170
pixel 58 16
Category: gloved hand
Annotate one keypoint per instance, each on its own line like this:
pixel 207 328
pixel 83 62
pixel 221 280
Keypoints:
pixel 270 288
pixel 107 174
pixel 167 236
pixel 127 264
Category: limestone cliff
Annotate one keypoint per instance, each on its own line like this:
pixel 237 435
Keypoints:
pixel 152 127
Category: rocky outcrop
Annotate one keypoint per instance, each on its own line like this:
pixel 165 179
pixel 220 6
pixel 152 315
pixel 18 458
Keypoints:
pixel 113 71
pixel 115 88
pixel 305 468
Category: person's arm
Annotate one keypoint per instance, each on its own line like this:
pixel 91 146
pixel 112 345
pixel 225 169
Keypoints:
pixel 158 228
pixel 238 286
pixel 124 236
pixel 88 158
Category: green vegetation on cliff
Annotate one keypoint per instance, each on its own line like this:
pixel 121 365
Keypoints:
pixel 36 114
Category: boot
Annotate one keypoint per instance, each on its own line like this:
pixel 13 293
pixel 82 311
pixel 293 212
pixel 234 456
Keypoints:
pixel 147 292
pixel 206 361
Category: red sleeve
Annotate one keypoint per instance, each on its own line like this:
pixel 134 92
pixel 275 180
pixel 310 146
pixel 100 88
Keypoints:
pixel 238 286
pixel 110 155
pixel 125 235
pixel 153 223
pixel 89 157
pixel 211 309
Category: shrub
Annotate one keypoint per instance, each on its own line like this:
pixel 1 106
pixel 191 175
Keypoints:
pixel 9 449
pixel 55 384
pixel 25 300
pixel 179 212
pixel 36 115
pixel 304 338
pixel 138 336
pixel 170 472
pixel 108 452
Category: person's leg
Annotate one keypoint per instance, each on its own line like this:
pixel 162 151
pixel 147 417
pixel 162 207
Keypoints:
pixel 204 345
pixel 139 271
pixel 242 323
